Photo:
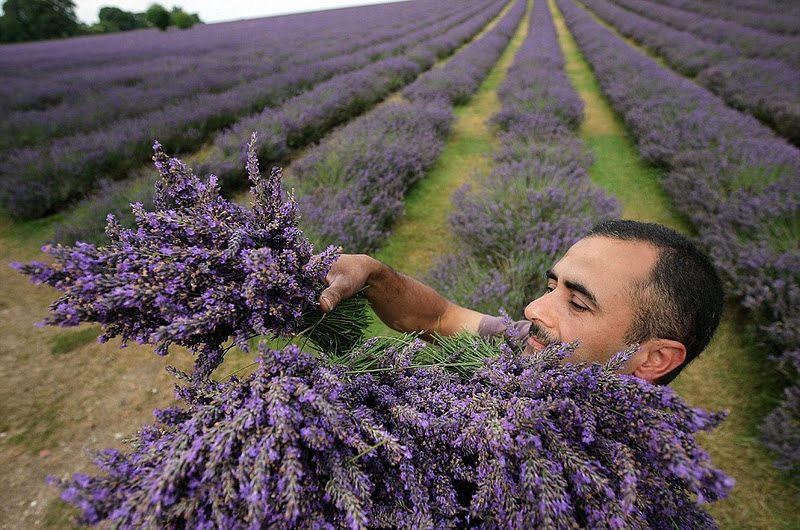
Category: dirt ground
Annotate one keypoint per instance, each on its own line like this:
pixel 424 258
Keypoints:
pixel 55 407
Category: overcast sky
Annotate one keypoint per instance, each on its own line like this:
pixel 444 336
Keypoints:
pixel 217 10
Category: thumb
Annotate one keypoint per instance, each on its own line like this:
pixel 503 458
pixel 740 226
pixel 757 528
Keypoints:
pixel 329 299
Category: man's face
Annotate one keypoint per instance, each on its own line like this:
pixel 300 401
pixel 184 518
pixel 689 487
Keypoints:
pixel 590 297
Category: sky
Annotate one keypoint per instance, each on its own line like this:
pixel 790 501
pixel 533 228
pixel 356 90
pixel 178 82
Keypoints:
pixel 217 10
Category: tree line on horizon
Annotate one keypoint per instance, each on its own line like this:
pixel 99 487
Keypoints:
pixel 29 20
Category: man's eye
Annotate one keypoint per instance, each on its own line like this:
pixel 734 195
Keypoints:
pixel 578 307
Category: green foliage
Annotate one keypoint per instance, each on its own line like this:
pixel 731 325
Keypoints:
pixel 181 19
pixel 342 330
pixel 158 16
pixel 26 20
pixel 115 19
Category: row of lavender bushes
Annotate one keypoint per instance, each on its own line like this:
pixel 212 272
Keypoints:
pixel 306 118
pixel 352 187
pixel 43 74
pixel 738 184
pixel 752 70
pixel 537 200
pixel 299 121
pixel 39 180
pixel 89 95
pixel 775 16
pixel 747 41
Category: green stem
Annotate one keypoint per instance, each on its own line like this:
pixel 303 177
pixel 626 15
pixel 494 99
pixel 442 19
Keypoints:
pixel 367 450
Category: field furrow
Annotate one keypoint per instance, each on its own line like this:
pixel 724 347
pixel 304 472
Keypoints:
pixel 353 186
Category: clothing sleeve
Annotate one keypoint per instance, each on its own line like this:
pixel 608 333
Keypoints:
pixel 494 326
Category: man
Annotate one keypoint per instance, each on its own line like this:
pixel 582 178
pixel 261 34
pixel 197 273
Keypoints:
pixel 625 283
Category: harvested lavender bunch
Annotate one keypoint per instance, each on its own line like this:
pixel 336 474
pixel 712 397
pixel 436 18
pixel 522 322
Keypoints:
pixel 410 435
pixel 197 271
pixel 277 450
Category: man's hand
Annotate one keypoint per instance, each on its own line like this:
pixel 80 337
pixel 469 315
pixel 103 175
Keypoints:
pixel 348 275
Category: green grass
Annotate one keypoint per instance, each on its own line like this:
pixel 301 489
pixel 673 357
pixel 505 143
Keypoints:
pixel 59 514
pixel 67 341
pixel 618 166
pixel 28 236
pixel 423 233
pixel 36 430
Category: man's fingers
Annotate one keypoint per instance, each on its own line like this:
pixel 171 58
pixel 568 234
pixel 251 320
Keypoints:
pixel 347 275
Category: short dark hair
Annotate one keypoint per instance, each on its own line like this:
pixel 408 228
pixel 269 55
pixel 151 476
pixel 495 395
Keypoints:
pixel 682 299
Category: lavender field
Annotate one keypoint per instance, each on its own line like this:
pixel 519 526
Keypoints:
pixel 362 106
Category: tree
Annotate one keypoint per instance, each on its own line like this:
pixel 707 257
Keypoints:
pixel 181 19
pixel 115 19
pixel 158 16
pixel 26 20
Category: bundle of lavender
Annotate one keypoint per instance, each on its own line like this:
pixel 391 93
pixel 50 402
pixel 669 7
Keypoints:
pixel 395 438
pixel 391 433
pixel 200 271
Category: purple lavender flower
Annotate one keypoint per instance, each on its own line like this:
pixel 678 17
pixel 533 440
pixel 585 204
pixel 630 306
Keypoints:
pixel 390 439
pixel 197 271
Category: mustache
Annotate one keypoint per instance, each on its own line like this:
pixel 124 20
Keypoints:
pixel 541 335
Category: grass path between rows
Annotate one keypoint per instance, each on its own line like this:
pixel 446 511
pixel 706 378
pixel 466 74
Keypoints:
pixel 730 375
pixel 422 232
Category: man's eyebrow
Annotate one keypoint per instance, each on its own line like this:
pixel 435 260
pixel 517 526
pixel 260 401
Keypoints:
pixel 574 286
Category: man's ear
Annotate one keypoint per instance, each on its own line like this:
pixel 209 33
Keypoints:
pixel 661 357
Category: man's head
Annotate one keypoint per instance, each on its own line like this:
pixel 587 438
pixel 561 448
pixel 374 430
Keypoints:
pixel 628 282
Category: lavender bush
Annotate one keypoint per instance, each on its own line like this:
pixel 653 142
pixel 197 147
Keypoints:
pixel 351 188
pixel 326 43
pixel 747 41
pixel 767 88
pixel 391 440
pixel 302 119
pixel 308 117
pixel 682 50
pixel 460 78
pixel 42 74
pixel 354 184
pixel 197 271
pixel 781 16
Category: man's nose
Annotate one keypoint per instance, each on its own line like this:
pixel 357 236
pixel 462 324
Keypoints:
pixel 540 310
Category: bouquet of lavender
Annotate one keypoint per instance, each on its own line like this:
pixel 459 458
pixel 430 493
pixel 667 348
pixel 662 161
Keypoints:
pixel 198 271
pixel 387 433
pixel 408 435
